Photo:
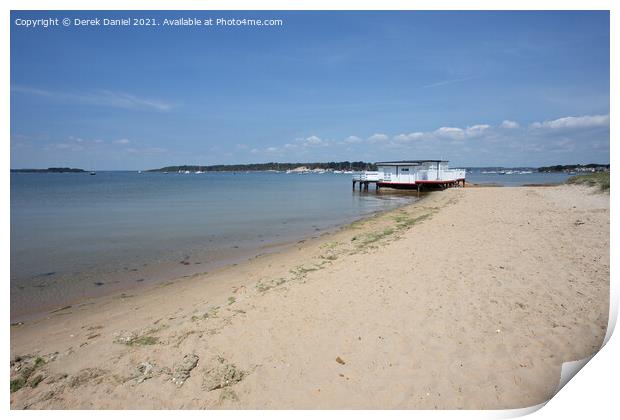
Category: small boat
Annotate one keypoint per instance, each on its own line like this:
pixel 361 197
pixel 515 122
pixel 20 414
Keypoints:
pixel 93 173
pixel 139 172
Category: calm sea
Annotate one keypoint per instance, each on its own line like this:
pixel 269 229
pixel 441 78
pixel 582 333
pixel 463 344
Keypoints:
pixel 75 235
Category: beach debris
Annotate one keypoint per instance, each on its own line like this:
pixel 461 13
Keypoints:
pixel 142 338
pixel 184 335
pixel 227 394
pixel 98 283
pixel 64 308
pixel 36 380
pixel 220 374
pixel 211 313
pixel 56 377
pixel 264 285
pixel 182 370
pixel 23 370
pixel 239 289
pixel 339 360
pixel 579 222
pixel 86 375
pixel 48 274
pixel 145 370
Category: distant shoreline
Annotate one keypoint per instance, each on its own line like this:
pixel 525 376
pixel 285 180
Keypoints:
pixel 48 171
pixel 312 166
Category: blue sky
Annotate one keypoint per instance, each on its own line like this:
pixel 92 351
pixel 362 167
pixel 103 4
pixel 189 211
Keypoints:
pixel 477 88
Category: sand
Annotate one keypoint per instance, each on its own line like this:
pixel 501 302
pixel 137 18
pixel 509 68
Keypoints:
pixel 472 298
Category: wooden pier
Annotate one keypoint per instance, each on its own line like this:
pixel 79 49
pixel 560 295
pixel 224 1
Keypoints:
pixel 364 184
pixel 419 186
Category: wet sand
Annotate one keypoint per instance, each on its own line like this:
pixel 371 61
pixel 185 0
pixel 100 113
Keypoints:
pixel 471 298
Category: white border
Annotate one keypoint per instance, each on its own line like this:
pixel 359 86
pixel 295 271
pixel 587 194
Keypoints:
pixel 594 390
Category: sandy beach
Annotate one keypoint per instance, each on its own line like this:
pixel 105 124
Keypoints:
pixel 471 298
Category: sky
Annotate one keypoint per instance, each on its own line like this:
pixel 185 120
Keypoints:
pixel 475 88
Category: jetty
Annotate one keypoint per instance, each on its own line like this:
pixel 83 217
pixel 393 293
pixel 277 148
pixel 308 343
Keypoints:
pixel 411 174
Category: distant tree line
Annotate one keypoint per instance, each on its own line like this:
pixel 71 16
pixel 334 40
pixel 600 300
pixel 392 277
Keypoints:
pixel 271 166
pixel 575 168
pixel 48 170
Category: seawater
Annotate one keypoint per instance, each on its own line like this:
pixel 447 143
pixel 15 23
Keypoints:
pixel 77 235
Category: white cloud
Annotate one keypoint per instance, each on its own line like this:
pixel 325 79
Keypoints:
pixel 378 137
pixel 313 141
pixel 453 133
pixel 353 139
pixel 586 121
pixel 509 124
pixel 483 143
pixel 405 138
pixel 122 141
pixel 69 146
pixel 477 130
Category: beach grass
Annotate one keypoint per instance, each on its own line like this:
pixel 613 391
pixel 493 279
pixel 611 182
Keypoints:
pixel 17 384
pixel 598 179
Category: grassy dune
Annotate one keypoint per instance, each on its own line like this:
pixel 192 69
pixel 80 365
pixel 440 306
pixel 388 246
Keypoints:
pixel 600 179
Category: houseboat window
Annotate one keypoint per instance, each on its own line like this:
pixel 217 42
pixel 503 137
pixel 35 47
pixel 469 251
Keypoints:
pixel 405 170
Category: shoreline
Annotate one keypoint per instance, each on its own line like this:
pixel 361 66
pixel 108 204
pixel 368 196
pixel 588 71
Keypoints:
pixel 469 298
pixel 159 273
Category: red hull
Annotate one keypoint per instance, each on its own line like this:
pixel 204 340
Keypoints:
pixel 415 185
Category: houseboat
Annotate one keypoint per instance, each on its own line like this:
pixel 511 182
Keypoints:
pixel 415 174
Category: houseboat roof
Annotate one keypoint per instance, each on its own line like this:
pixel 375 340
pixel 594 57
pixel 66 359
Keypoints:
pixel 408 162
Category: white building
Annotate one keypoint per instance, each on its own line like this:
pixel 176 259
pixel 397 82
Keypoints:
pixel 411 174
